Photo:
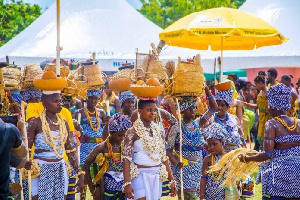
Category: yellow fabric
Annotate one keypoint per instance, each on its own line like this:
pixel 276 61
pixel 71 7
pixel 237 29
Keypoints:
pixel 102 161
pixel 276 83
pixel 291 111
pixel 263 117
pixel 35 109
pixel 184 161
pixel 239 30
pixel 246 126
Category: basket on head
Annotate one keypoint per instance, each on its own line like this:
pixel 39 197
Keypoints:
pixel 93 75
pixel 12 77
pixel 151 89
pixel 187 80
pixel 223 86
pixel 30 72
pixel 64 70
pixel 71 89
pixel 156 69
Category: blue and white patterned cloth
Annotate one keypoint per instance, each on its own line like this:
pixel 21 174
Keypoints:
pixel 186 102
pixel 119 122
pixel 192 146
pixel 225 95
pixel 216 131
pixel 111 183
pixel 126 95
pixel 96 93
pixel 87 131
pixel 279 97
pixel 32 93
pixel 214 189
pixel 280 176
pixel 17 97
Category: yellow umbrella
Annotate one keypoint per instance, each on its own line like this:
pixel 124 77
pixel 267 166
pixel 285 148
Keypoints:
pixel 221 29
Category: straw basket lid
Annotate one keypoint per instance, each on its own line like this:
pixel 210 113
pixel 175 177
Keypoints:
pixel 151 89
pixel 122 84
pixel 223 86
pixel 50 82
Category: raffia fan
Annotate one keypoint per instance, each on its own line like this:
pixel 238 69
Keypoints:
pixel 233 167
pixel 187 79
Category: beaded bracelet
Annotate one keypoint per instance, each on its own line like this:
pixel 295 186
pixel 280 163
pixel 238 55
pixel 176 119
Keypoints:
pixel 204 176
pixel 127 158
pixel 209 97
pixel 172 182
pixel 70 151
pixel 80 173
pixel 125 184
pixel 244 159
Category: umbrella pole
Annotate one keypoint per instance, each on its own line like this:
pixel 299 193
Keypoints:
pixel 180 151
pixel 221 71
pixel 58 48
pixel 215 71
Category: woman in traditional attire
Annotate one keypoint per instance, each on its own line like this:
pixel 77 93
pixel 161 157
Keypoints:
pixel 262 106
pixel 108 156
pixel 127 102
pixel 281 155
pixel 211 187
pixel 94 127
pixel 192 144
pixel 52 139
pixel 145 164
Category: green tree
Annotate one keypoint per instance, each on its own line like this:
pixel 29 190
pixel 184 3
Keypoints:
pixel 15 16
pixel 165 12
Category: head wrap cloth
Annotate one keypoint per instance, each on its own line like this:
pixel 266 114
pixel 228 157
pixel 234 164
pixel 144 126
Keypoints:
pixel 119 122
pixel 126 95
pixel 17 97
pixel 96 93
pixel 186 102
pixel 225 95
pixel 279 97
pixel 216 131
pixel 32 93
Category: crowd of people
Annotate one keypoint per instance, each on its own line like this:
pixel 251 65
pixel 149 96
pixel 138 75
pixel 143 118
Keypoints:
pixel 130 149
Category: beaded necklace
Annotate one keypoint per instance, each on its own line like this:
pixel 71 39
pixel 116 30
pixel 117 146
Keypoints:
pixel 49 138
pixel 220 175
pixel 96 126
pixel 189 135
pixel 221 123
pixel 150 144
pixel 290 128
pixel 117 164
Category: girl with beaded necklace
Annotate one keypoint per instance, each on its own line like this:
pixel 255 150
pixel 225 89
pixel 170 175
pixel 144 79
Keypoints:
pixel 108 156
pixel 192 144
pixel 145 164
pixel 211 184
pixel 94 126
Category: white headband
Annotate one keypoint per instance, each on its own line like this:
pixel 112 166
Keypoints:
pixel 47 92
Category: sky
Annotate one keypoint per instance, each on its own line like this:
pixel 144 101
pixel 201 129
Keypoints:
pixel 44 4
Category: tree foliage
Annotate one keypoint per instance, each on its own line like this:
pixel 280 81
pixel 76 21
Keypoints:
pixel 15 16
pixel 165 12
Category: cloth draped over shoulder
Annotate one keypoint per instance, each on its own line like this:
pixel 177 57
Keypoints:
pixel 102 161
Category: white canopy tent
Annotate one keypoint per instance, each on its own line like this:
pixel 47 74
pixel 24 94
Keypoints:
pixel 111 28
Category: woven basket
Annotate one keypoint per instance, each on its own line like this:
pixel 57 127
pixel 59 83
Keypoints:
pixel 156 69
pixel 12 77
pixel 223 86
pixel 64 71
pixel 146 91
pixel 93 75
pixel 31 71
pixel 122 84
pixel 187 80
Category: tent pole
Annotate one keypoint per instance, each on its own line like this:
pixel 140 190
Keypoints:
pixel 221 71
pixel 215 71
pixel 58 48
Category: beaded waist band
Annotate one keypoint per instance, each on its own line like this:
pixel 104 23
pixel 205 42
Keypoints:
pixel 188 148
pixel 86 139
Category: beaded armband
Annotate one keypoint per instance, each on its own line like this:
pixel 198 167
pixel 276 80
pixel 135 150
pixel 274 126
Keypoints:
pixel 127 158
pixel 125 184
pixel 70 151
pixel 80 173
pixel 164 158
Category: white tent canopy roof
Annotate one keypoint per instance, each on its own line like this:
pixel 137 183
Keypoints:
pixel 111 28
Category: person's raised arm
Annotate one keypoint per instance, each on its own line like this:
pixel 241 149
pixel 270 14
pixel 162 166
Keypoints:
pixel 19 150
